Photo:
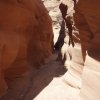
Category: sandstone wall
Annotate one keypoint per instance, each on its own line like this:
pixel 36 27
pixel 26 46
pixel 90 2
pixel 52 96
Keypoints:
pixel 25 37
pixel 71 49
pixel 87 20
pixel 82 61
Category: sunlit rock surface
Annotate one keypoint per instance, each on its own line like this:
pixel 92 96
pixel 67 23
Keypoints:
pixel 67 86
pixel 87 20
pixel 83 60
pixel 71 55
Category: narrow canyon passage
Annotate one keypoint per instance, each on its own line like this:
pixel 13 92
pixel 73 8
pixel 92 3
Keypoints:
pixel 32 83
pixel 49 50
pixel 28 86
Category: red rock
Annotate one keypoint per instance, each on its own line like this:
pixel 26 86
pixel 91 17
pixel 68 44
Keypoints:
pixel 25 37
pixel 87 20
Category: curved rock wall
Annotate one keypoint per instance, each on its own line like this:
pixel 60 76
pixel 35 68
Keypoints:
pixel 87 20
pixel 71 50
pixel 25 37
pixel 82 61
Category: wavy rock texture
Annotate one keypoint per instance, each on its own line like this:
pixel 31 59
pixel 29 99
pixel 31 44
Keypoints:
pixel 82 61
pixel 87 20
pixel 67 86
pixel 81 81
pixel 71 55
pixel 25 37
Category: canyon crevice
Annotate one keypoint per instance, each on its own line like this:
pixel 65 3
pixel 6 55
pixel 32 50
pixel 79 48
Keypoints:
pixel 49 50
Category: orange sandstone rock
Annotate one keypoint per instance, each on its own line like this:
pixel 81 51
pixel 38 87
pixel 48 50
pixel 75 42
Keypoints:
pixel 25 37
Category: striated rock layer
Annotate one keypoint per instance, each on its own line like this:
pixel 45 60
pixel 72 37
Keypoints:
pixel 83 61
pixel 25 37
pixel 71 49
pixel 67 86
pixel 81 54
pixel 87 21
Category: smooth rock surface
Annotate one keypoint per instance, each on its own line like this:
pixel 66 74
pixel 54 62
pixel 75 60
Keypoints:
pixel 25 37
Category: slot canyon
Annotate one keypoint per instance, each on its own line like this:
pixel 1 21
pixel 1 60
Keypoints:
pixel 49 50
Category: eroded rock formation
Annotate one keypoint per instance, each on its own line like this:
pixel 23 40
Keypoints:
pixel 81 81
pixel 25 37
pixel 71 49
pixel 87 21
pixel 82 61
